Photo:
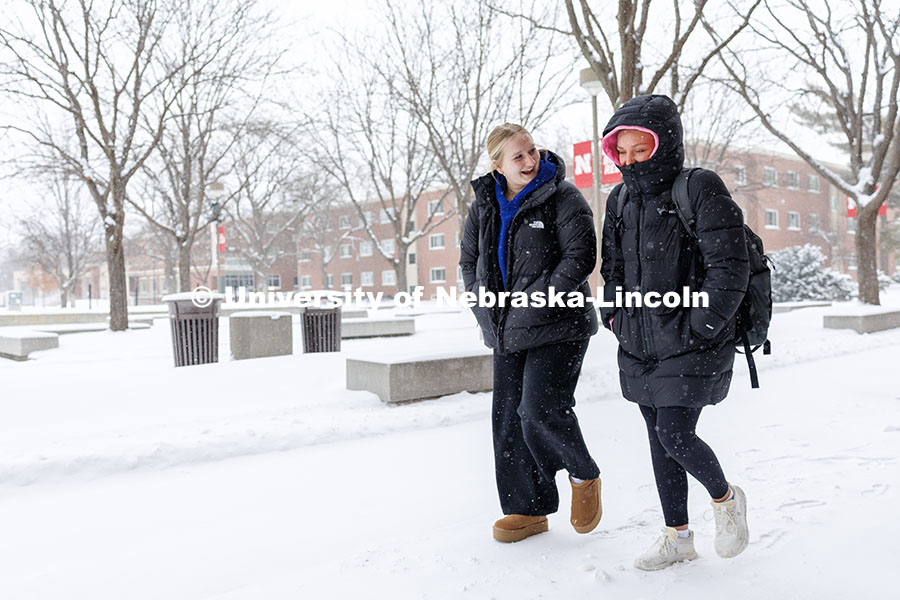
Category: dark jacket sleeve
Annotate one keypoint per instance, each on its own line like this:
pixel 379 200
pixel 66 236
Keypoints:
pixel 723 248
pixel 612 267
pixel 577 240
pixel 468 247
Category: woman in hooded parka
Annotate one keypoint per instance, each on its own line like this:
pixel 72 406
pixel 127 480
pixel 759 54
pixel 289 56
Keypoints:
pixel 673 361
pixel 529 230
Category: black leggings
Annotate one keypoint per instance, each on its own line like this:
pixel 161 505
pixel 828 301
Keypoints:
pixel 676 450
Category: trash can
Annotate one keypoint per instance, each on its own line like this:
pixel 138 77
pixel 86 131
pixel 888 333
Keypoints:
pixel 195 327
pixel 321 329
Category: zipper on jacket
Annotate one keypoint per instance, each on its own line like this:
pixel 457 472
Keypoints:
pixel 645 316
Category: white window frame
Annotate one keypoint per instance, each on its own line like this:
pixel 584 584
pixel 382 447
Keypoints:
pixel 344 222
pixel 349 278
pixel 774 178
pixel 796 216
pixel 305 282
pixel 385 215
pixel 851 225
pixel 345 251
pixel 330 280
pixel 433 270
pixel 274 277
pixel 772 211
pixel 366 279
pixel 814 221
pixel 815 189
pixel 389 277
pixel 368 216
pixel 740 175
pixel 388 246
pixel 305 255
pixel 433 240
pixel 787 180
pixel 366 248
pixel 436 207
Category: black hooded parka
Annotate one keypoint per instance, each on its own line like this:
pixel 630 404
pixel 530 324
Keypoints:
pixel 671 356
pixel 551 242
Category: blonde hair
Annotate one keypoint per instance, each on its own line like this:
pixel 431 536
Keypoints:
pixel 498 138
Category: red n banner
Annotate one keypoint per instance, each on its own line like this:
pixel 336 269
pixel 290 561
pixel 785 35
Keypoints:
pixel 851 208
pixel 609 172
pixel 221 238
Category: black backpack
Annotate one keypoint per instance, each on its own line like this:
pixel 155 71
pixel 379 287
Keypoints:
pixel 755 311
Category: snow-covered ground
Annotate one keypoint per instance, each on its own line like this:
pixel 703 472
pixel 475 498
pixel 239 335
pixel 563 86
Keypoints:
pixel 123 477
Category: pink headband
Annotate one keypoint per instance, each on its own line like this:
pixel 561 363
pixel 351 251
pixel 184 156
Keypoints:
pixel 609 141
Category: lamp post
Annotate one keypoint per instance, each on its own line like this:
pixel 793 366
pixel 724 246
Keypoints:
pixel 592 84
pixel 216 191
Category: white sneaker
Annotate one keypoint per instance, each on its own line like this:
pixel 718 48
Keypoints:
pixel 732 533
pixel 667 550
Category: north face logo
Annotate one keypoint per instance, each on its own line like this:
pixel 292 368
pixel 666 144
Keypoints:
pixel 536 224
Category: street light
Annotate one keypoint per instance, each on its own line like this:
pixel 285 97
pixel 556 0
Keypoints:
pixel 216 191
pixel 590 82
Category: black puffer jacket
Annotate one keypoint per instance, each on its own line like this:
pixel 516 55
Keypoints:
pixel 672 356
pixel 551 242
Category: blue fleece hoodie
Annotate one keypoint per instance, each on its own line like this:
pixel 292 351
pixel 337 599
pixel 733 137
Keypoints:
pixel 509 208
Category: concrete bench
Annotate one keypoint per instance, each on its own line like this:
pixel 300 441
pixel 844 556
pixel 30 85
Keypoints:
pixel 17 345
pixel 783 307
pixel 257 334
pixel 66 328
pixel 869 320
pixel 417 377
pixel 354 313
pixel 363 328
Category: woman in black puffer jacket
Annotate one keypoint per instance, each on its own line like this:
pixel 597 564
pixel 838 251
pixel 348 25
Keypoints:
pixel 528 230
pixel 674 361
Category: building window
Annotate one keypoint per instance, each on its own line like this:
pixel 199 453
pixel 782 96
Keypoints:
pixel 815 224
pixel 366 278
pixel 389 277
pixel 436 241
pixel 367 215
pixel 770 176
pixel 344 222
pixel 851 261
pixel 306 282
pixel 411 258
pixel 771 219
pixel 304 256
pixel 387 246
pixel 438 275
pixel 851 225
pixel 386 215
pixel 241 280
pixel 833 201
pixel 812 184
pixel 740 175
pixel 273 281
pixel 365 248
pixel 412 225
pixel 346 251
pixel 793 220
pixel 793 180
pixel 330 281
pixel 346 279
pixel 436 207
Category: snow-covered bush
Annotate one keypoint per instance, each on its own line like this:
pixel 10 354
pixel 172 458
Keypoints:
pixel 896 278
pixel 884 282
pixel 799 274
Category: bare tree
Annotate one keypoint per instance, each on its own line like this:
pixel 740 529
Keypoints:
pixel 627 67
pixel 62 240
pixel 859 89
pixel 462 68
pixel 370 144
pixel 271 198
pixel 317 231
pixel 224 83
pixel 93 66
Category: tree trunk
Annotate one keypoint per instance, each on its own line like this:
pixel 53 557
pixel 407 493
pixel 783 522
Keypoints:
pixel 184 267
pixel 400 269
pixel 63 297
pixel 118 290
pixel 866 268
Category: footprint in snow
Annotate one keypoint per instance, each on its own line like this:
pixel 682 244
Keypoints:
pixel 877 489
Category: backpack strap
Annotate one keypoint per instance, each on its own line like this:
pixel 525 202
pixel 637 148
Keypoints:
pixel 620 193
pixel 751 364
pixel 682 200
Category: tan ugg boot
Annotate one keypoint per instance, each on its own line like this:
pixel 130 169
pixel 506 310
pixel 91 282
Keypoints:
pixel 515 528
pixel 586 506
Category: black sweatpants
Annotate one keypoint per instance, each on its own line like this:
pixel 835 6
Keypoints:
pixel 535 429
pixel 676 450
